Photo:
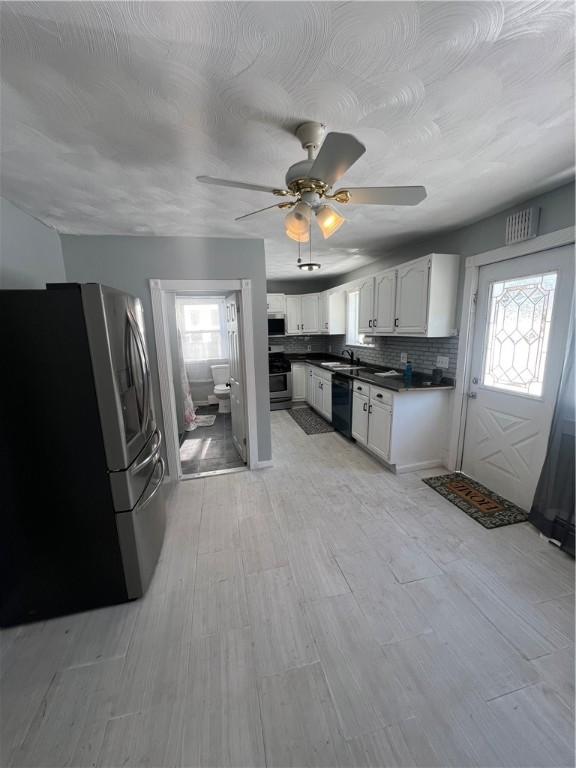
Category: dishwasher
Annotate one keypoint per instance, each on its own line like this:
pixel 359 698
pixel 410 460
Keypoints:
pixel 342 404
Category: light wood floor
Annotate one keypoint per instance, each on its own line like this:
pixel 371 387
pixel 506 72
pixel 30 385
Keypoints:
pixel 320 613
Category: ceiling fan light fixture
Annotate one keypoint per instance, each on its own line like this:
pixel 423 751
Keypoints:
pixel 329 220
pixel 299 237
pixel 298 220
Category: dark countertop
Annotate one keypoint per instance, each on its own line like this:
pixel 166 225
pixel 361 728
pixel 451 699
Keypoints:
pixel 420 381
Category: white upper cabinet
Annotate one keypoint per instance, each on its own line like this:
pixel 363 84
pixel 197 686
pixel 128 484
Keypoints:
pixel 332 312
pixel 412 297
pixel 426 291
pixel 276 303
pixel 415 299
pixel 366 305
pixel 310 313
pixel 293 315
pixel 384 302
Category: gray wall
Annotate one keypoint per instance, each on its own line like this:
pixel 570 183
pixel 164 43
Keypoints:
pixel 30 252
pixel 176 369
pixel 127 263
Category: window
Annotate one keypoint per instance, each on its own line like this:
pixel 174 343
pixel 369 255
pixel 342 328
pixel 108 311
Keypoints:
pixel 520 312
pixel 353 338
pixel 202 324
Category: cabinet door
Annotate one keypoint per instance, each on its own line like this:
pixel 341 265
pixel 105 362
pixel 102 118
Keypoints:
pixel 379 424
pixel 412 297
pixel 316 393
pixel 360 418
pixel 326 409
pixel 310 313
pixel 309 385
pixel 366 306
pixel 298 381
pixel 385 302
pixel 323 312
pixel 293 315
pixel 276 302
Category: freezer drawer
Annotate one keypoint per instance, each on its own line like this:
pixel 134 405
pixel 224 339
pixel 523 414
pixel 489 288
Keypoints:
pixel 141 533
pixel 128 485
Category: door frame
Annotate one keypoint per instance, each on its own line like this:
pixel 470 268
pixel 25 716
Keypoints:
pixel 468 317
pixel 159 291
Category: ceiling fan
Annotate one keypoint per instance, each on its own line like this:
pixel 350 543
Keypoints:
pixel 310 182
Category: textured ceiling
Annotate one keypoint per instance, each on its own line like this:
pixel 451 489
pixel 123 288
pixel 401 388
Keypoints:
pixel 110 110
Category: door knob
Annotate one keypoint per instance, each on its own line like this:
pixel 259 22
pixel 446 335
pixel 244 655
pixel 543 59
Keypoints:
pixel 472 395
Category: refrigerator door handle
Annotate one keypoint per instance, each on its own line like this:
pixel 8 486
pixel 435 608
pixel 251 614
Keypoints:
pixel 156 489
pixel 153 452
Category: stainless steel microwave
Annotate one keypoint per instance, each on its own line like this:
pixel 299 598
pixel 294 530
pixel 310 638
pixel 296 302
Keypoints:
pixel 276 325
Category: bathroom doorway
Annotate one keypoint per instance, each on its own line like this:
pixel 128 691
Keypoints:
pixel 206 348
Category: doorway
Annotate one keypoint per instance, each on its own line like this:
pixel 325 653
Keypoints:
pixel 208 384
pixel 519 340
pixel 192 383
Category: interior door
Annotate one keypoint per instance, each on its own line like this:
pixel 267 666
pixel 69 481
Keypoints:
pixel 385 302
pixel 366 305
pixel 310 313
pixel 412 297
pixel 237 410
pixel 520 335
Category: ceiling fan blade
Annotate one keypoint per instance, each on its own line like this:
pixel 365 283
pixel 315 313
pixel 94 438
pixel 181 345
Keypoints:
pixel 239 185
pixel 384 195
pixel 276 205
pixel 338 153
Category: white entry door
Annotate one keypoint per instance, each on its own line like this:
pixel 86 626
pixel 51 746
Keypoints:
pixel 236 376
pixel 521 330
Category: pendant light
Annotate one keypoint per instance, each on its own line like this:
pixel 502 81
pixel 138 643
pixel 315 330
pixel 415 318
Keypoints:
pixel 308 266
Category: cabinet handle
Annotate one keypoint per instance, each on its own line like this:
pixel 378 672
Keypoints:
pixel 378 394
pixel 395 322
pixel 370 408
pixel 364 407
pixel 369 323
pixel 359 389
pixel 375 323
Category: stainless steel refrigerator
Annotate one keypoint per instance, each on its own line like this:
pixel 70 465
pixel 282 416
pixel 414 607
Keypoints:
pixel 82 507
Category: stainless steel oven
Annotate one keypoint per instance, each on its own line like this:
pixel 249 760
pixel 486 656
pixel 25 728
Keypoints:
pixel 280 386
pixel 279 376
pixel 276 325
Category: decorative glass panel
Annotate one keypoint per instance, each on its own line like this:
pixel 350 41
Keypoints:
pixel 520 311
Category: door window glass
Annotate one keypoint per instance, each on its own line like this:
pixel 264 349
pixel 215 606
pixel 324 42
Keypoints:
pixel 519 315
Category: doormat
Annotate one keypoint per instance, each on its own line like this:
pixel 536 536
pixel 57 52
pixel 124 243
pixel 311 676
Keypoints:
pixel 479 503
pixel 309 421
pixel 203 421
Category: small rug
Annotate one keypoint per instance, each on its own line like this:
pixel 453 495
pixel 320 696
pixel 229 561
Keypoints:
pixel 310 421
pixel 479 503
pixel 204 421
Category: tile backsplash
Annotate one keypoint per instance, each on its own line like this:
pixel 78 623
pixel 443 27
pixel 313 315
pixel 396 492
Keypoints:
pixel 293 344
pixel 387 350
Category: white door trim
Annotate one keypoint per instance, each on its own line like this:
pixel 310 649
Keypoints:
pixel 472 266
pixel 159 291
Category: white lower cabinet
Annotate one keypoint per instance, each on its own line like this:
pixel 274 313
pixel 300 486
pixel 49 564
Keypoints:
pixel 360 404
pixel 407 430
pixel 319 390
pixel 379 427
pixel 299 381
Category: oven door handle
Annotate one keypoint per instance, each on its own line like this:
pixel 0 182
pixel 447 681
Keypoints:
pixel 286 373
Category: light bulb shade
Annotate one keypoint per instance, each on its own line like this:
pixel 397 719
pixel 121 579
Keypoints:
pixel 309 266
pixel 329 220
pixel 298 220
pixel 299 237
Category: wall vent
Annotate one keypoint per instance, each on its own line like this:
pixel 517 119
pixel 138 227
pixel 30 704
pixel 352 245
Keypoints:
pixel 522 225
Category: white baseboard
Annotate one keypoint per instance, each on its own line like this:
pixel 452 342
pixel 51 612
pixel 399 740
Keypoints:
pixel 263 464
pixel 402 469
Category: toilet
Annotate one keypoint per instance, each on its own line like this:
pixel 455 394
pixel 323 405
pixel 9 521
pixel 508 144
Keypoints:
pixel 221 375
